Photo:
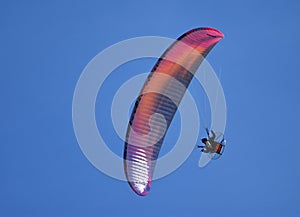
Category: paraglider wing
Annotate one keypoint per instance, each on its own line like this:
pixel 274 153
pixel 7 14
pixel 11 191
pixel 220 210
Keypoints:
pixel 158 101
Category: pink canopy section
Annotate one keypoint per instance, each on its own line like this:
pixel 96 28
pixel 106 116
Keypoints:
pixel 158 102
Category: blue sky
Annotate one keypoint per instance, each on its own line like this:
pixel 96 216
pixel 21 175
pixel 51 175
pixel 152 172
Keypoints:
pixel 44 48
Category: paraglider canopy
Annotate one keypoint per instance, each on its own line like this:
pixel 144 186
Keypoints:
pixel 158 102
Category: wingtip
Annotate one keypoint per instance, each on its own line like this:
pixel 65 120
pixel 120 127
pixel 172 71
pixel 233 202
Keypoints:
pixel 141 189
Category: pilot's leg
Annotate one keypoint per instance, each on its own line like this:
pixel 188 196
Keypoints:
pixel 205 150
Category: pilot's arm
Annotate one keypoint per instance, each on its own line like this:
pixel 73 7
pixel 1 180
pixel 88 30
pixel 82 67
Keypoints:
pixel 213 135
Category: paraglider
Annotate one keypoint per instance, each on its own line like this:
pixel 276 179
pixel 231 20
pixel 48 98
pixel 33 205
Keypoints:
pixel 158 101
pixel 212 146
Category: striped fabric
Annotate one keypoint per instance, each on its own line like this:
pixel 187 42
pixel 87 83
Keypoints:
pixel 158 101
